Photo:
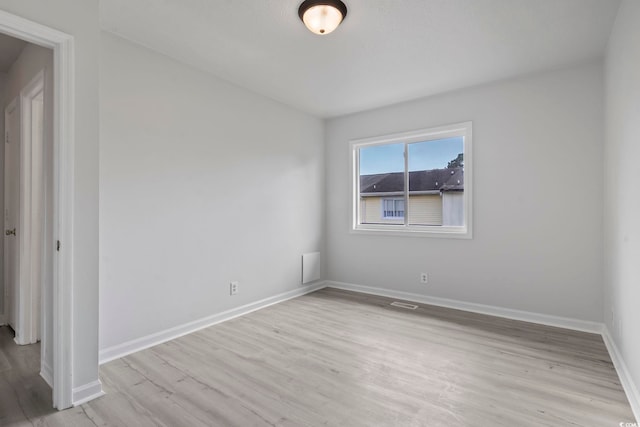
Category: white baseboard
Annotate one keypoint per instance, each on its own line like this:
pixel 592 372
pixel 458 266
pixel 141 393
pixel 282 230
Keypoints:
pixel 526 316
pixel 141 343
pixel 93 390
pixel 86 392
pixel 46 373
pixel 623 372
pixel 628 384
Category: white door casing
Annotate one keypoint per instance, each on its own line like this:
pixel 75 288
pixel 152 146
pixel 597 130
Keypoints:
pixel 24 210
pixel 31 240
pixel 11 213
pixel 63 198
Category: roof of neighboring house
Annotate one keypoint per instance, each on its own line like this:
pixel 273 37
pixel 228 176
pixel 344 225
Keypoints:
pixel 435 180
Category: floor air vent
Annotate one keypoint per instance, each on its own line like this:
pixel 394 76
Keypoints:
pixel 404 305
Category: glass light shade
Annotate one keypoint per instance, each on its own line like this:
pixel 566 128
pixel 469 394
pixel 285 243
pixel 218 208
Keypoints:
pixel 322 19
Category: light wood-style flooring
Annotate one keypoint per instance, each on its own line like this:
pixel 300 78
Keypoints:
pixel 337 358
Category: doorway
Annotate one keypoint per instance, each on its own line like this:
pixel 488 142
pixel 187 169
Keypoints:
pixel 25 215
pixel 58 302
pixel 28 167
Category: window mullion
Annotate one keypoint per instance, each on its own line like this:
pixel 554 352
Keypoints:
pixel 406 184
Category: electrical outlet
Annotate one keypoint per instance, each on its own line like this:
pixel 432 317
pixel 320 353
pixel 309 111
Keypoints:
pixel 424 278
pixel 233 288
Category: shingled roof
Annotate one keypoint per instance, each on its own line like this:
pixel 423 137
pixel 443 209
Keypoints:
pixel 435 180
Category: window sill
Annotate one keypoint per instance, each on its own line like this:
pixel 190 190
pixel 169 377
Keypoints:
pixel 415 231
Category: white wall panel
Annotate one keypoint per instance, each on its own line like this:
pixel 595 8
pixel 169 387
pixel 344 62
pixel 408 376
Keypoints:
pixel 185 159
pixel 537 241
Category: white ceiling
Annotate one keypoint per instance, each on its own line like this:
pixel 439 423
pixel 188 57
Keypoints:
pixel 10 49
pixel 386 51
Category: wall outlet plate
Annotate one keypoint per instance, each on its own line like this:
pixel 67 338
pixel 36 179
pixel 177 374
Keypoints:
pixel 424 278
pixel 233 288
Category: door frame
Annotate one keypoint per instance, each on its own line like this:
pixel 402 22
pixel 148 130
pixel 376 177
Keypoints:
pixel 12 107
pixel 63 46
pixel 30 288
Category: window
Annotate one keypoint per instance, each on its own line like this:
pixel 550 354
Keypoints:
pixel 393 208
pixel 415 182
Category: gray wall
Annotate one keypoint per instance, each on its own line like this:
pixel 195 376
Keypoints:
pixel 622 194
pixel 201 183
pixel 537 239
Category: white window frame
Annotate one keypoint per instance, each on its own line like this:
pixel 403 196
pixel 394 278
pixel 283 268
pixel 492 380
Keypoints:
pixel 464 130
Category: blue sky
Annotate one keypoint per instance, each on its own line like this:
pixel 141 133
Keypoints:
pixel 422 156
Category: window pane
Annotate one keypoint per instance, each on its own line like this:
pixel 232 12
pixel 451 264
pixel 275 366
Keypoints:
pixel 382 184
pixel 436 182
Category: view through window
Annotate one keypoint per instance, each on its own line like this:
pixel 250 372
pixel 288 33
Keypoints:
pixel 416 182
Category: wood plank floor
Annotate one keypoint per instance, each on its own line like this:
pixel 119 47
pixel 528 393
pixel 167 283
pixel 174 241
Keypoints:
pixel 337 358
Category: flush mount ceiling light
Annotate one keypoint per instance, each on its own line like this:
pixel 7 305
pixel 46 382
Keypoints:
pixel 322 16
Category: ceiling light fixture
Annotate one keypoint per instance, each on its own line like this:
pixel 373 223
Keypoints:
pixel 322 16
